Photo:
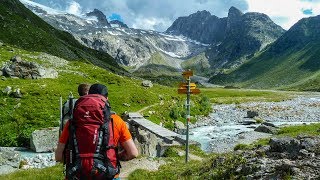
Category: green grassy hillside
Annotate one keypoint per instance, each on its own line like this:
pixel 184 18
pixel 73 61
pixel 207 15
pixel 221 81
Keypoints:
pixel 199 64
pixel 292 62
pixel 21 28
pixel 39 106
pixel 283 71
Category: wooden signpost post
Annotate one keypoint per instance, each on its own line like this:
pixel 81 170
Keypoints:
pixel 188 88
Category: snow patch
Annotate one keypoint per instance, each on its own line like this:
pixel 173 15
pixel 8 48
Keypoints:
pixel 45 8
pixel 114 33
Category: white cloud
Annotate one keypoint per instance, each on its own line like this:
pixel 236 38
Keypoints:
pixel 151 23
pixel 284 12
pixel 160 14
pixel 74 8
pixel 153 14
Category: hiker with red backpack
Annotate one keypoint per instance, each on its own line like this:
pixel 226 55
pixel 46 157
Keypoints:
pixel 89 141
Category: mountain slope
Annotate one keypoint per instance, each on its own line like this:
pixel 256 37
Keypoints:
pixel 200 26
pixel 233 39
pixel 21 28
pixel 246 34
pixel 132 48
pixel 293 61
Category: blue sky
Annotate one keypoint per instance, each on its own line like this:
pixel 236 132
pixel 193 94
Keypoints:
pixel 160 14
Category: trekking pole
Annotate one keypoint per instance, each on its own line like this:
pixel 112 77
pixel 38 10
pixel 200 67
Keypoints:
pixel 61 118
pixel 71 105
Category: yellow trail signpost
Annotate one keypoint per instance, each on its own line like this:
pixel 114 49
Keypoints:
pixel 188 88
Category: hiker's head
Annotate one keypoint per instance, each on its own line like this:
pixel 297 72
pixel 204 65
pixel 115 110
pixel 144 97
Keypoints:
pixel 98 89
pixel 83 89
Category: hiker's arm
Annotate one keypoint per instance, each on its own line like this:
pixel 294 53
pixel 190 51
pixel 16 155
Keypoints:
pixel 130 150
pixel 59 152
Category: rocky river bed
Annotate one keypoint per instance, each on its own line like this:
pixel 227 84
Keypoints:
pixel 228 124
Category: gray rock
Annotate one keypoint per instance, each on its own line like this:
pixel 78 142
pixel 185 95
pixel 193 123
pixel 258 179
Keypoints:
pixel 252 114
pixel 285 144
pixel 27 70
pixel 310 144
pixel 269 124
pixel 9 160
pixel 147 83
pixel 1 43
pixel 6 169
pixel 17 93
pixel 180 128
pixel 179 125
pixel 126 104
pixel 249 122
pixel 7 90
pixel 266 129
pixel 146 142
pixel 44 140
pixel 16 59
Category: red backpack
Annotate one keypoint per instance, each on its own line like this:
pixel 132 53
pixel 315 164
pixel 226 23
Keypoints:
pixel 91 152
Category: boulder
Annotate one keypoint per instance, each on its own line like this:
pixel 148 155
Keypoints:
pixel 179 125
pixel 7 90
pixel 310 143
pixel 147 83
pixel 18 68
pixel 249 122
pixel 146 142
pixel 285 145
pixel 266 129
pixel 180 128
pixel 252 114
pixel 17 93
pixel 9 160
pixel 126 104
pixel 269 124
pixel 44 140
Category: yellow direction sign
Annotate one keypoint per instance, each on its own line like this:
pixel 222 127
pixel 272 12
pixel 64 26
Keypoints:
pixel 185 91
pixel 185 85
pixel 187 74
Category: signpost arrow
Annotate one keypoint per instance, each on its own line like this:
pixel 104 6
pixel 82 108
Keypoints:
pixel 185 86
pixel 185 91
pixel 187 74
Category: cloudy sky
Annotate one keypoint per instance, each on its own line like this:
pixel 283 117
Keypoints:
pixel 160 14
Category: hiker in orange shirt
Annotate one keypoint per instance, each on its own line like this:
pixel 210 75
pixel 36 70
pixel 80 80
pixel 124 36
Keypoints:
pixel 120 136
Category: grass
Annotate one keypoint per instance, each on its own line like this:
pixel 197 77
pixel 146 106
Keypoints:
pixel 214 167
pixel 294 131
pixel 293 69
pixel 51 173
pixel 199 64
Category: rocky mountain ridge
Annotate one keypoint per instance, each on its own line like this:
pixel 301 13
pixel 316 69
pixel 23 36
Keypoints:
pixel 102 19
pixel 227 42
pixel 233 39
pixel 292 60
pixel 130 47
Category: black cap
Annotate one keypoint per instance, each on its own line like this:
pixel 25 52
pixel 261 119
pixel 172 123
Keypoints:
pixel 98 89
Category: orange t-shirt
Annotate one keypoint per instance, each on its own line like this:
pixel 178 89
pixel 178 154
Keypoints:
pixel 121 131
